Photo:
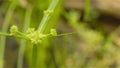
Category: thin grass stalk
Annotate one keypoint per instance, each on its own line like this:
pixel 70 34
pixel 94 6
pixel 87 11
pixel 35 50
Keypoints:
pixel 34 56
pixel 86 10
pixel 23 42
pixel 4 29
pixel 41 29
pixel 46 17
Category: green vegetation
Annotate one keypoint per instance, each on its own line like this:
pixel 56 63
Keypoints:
pixel 51 37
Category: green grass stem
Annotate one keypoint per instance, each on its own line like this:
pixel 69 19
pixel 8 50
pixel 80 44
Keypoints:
pixel 41 29
pixel 86 10
pixel 4 29
pixel 23 42
pixel 46 17
pixel 34 56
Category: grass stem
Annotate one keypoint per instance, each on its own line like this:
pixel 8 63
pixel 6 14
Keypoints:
pixel 23 42
pixel 41 29
pixel 46 17
pixel 34 56
pixel 4 29
pixel 87 10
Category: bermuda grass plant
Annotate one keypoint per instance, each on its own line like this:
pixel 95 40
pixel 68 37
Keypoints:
pixel 31 35
pixel 50 36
